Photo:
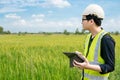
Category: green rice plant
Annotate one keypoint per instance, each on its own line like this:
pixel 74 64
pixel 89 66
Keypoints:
pixel 40 57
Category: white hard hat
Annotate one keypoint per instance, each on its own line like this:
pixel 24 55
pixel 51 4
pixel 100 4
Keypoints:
pixel 94 9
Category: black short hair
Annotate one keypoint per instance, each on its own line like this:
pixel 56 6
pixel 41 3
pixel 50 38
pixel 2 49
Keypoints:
pixel 97 20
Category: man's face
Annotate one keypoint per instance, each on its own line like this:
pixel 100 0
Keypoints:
pixel 85 23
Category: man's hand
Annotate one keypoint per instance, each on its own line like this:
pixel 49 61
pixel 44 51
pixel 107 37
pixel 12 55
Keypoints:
pixel 86 64
pixel 83 65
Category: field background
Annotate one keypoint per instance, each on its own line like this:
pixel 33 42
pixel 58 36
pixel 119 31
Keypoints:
pixel 40 57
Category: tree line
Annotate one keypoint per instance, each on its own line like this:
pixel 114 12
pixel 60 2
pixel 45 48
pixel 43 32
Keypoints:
pixel 4 32
pixel 66 32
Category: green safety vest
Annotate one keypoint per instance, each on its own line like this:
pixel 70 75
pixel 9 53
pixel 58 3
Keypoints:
pixel 94 57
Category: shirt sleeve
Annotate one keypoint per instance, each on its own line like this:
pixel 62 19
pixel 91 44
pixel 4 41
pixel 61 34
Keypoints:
pixel 108 54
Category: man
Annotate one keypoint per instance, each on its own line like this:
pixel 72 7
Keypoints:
pixel 99 46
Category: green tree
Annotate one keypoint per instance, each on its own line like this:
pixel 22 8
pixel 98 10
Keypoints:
pixel 83 31
pixel 1 29
pixel 117 32
pixel 77 31
pixel 7 32
pixel 66 32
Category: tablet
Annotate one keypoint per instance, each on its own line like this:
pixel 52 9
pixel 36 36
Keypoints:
pixel 73 56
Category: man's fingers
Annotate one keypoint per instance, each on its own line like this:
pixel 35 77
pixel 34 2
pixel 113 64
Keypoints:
pixel 76 64
pixel 85 59
pixel 77 52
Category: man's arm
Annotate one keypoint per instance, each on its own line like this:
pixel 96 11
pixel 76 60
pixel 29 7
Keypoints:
pixel 86 65
pixel 108 54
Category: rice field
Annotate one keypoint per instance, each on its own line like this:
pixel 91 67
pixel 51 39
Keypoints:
pixel 40 57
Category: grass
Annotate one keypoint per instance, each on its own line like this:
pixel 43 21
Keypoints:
pixel 40 57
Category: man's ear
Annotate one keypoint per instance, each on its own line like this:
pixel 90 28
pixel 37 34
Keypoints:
pixel 91 21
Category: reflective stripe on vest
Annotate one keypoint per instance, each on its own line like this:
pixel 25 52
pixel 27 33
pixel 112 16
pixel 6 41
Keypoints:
pixel 97 46
pixel 91 77
pixel 94 57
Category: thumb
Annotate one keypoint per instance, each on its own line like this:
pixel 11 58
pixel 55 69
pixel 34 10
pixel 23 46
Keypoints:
pixel 85 59
pixel 77 52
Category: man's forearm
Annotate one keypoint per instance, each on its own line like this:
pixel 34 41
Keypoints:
pixel 93 67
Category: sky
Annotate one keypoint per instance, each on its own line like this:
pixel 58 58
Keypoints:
pixel 54 15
